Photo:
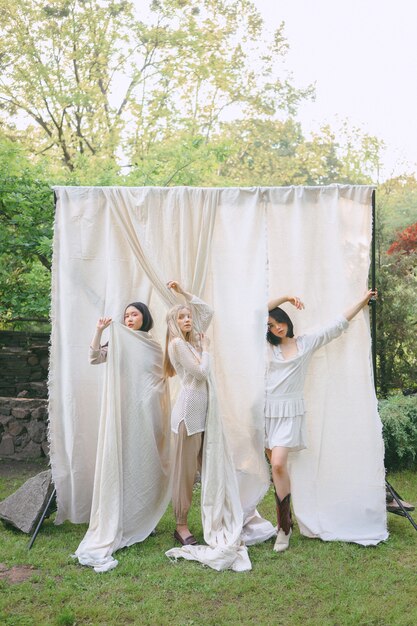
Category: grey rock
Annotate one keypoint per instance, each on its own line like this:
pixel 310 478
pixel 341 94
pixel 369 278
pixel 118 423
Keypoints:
pixel 21 440
pixel 21 413
pixel 24 508
pixel 31 451
pixel 26 403
pixel 40 412
pixel 6 446
pixel 37 431
pixel 5 419
pixel 15 428
pixel 45 448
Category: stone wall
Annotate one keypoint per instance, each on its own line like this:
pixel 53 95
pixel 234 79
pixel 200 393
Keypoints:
pixel 23 393
pixel 23 364
pixel 23 428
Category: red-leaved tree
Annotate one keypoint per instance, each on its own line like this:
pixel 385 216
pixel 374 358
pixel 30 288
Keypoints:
pixel 406 241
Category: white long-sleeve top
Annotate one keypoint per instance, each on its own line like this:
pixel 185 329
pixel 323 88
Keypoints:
pixel 285 377
pixel 193 368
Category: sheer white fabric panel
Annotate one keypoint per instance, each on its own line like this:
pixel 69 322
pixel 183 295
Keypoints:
pixel 239 297
pixel 132 476
pixel 169 232
pixel 319 240
pixel 94 274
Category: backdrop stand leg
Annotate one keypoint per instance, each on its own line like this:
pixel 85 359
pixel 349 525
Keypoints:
pixel 45 513
pixel 401 510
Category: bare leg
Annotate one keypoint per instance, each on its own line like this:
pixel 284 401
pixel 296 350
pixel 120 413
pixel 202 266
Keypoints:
pixel 279 459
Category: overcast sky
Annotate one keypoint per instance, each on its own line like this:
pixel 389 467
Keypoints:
pixel 362 55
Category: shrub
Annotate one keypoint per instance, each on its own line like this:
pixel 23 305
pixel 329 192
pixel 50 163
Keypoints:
pixel 399 419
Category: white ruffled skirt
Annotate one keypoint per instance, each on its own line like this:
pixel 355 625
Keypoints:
pixel 285 432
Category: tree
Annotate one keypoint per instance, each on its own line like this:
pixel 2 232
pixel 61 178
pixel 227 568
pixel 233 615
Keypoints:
pixel 26 216
pixel 97 81
pixel 397 285
pixel 406 241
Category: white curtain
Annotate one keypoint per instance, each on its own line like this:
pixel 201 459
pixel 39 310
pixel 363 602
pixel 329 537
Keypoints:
pixel 318 248
pixel 116 245
pixel 181 225
pixel 132 478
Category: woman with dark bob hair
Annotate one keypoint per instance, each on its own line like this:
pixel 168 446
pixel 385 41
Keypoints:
pixel 132 478
pixel 136 317
pixel 288 359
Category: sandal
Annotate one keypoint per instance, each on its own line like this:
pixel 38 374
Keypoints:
pixel 188 541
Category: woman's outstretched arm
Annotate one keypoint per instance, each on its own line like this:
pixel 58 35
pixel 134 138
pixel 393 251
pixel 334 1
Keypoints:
pixel 175 286
pixel 294 300
pixel 354 310
pixel 102 323
pixel 202 312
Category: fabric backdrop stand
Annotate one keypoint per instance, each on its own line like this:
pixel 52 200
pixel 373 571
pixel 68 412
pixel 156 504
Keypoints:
pixel 398 499
pixel 95 270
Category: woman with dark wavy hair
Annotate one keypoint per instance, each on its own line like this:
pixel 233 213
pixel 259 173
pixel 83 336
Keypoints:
pixel 288 359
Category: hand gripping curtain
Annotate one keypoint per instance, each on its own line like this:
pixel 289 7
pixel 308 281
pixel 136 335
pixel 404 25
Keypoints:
pixel 179 225
pixel 133 469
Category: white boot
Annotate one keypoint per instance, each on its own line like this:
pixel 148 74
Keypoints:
pixel 282 541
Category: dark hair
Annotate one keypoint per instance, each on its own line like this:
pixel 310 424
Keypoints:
pixel 279 315
pixel 147 323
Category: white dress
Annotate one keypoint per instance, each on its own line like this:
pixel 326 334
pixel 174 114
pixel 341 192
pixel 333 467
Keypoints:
pixel 193 370
pixel 284 403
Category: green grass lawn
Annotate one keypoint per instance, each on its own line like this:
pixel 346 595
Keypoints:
pixel 313 583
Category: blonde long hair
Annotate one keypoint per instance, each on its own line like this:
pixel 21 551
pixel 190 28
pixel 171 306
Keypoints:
pixel 173 331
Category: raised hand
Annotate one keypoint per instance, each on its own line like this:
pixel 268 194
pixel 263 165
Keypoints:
pixel 175 286
pixel 295 301
pixel 103 322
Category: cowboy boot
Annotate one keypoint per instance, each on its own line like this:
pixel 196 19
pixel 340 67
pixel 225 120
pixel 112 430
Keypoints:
pixel 284 523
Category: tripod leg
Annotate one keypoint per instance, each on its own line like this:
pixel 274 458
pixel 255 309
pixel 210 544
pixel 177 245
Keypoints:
pixel 404 512
pixel 44 514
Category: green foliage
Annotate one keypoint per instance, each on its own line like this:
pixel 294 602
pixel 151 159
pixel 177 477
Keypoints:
pixel 397 284
pixel 26 216
pixel 255 151
pixel 397 198
pixel 399 419
pixel 98 82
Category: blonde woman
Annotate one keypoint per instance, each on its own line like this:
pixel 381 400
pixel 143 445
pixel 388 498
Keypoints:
pixel 186 354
